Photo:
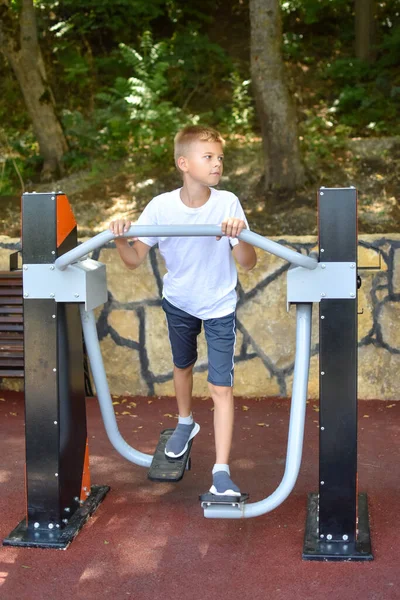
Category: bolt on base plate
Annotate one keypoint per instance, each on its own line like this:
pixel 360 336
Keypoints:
pixel 43 537
pixel 316 549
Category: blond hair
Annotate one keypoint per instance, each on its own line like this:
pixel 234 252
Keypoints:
pixel 194 133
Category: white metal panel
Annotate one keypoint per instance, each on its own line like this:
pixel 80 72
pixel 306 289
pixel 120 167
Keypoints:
pixel 328 280
pixel 84 281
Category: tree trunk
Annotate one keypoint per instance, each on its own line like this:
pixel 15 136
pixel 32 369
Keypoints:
pixel 19 44
pixel 276 111
pixel 365 29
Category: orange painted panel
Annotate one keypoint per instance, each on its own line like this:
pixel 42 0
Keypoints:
pixel 85 487
pixel 65 218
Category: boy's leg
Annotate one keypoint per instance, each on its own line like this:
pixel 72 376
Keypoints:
pixel 221 339
pixel 223 421
pixel 223 429
pixel 183 384
pixel 183 330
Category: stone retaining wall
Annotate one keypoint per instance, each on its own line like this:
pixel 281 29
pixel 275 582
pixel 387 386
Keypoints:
pixel 136 350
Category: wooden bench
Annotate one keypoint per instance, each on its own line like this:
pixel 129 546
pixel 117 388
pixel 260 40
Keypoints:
pixel 12 329
pixel 11 325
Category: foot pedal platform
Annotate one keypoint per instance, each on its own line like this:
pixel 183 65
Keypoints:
pixel 209 499
pixel 164 468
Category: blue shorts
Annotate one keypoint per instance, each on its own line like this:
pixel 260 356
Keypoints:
pixel 220 333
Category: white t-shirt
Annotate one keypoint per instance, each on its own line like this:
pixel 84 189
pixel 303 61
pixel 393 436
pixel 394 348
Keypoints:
pixel 201 273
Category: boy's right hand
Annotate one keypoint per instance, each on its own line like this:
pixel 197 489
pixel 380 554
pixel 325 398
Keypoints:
pixel 120 226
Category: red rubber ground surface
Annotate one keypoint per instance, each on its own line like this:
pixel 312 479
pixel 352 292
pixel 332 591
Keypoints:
pixel 151 541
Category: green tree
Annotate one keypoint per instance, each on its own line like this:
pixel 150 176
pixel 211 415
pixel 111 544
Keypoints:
pixel 283 169
pixel 365 29
pixel 19 44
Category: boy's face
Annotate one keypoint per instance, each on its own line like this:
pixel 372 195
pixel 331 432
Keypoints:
pixel 203 162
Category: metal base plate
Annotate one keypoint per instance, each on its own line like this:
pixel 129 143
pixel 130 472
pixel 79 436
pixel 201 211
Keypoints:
pixel 315 549
pixel 60 539
pixel 209 499
pixel 164 468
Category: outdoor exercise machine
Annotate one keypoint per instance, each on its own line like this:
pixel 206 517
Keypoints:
pixel 61 287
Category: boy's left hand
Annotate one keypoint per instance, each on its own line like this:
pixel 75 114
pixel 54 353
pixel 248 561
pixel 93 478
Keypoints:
pixel 232 227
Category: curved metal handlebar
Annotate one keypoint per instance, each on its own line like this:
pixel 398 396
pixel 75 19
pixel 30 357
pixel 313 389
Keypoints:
pixel 185 231
pixel 103 392
pixel 296 429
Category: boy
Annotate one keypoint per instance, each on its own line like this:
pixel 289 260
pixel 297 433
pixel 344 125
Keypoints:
pixel 200 286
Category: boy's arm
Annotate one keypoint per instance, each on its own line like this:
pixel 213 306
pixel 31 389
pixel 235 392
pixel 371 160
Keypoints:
pixel 243 252
pixel 132 256
pixel 245 255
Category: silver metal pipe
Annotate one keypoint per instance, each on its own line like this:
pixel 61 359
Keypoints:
pixel 184 231
pixel 296 429
pixel 103 392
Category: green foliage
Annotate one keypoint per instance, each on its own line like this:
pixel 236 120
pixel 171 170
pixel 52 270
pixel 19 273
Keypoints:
pixel 120 91
pixel 132 115
pixel 86 17
pixel 76 69
pixel 368 94
pixel 390 48
pixel 320 139
pixel 143 110
pixel 314 11
pixel 239 116
pixel 149 119
pixel 363 96
pixel 292 46
pixel 20 160
pixel 197 67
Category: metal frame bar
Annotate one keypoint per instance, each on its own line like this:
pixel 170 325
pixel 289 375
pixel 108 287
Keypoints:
pixel 185 231
pixel 332 529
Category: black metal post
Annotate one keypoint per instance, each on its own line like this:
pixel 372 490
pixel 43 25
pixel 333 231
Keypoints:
pixel 337 525
pixel 58 492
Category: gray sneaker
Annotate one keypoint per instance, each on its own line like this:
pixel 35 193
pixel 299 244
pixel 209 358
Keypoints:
pixel 223 485
pixel 179 440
